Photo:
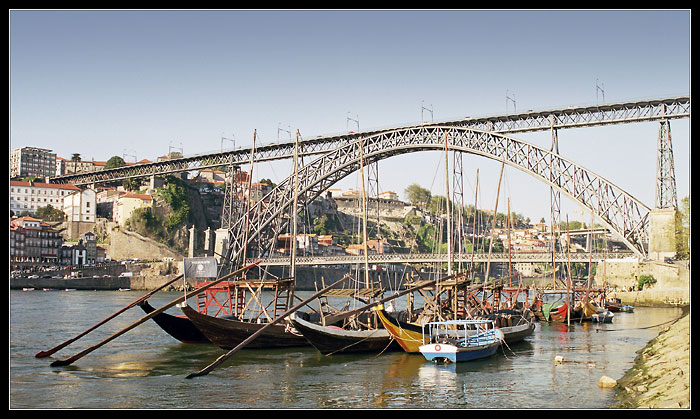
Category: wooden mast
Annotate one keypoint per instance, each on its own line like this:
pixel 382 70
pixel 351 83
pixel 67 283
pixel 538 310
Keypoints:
pixel 476 189
pixel 495 210
pixel 247 206
pixel 293 269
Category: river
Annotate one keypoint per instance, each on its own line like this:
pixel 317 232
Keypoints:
pixel 146 368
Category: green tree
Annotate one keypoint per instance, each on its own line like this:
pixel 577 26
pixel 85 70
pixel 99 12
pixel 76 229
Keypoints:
pixel 417 195
pixel 115 161
pixel 683 229
pixel 50 213
pixel 268 182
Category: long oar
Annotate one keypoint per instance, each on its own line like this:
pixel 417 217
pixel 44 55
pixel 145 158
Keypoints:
pixel 43 354
pixel 250 338
pixel 154 313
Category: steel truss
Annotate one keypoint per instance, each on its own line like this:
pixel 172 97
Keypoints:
pixel 571 117
pixel 618 210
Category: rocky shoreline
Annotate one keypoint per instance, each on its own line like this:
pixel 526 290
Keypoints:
pixel 660 377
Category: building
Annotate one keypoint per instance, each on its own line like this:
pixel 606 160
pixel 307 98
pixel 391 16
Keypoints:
pixel 30 196
pixel 388 195
pixel 80 206
pixel 127 203
pixel 32 240
pixel 81 212
pixel 84 252
pixel 106 201
pixel 32 161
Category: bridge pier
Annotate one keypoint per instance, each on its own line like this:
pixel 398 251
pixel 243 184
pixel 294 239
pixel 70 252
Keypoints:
pixel 662 233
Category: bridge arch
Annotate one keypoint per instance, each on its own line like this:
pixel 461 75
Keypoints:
pixel 618 210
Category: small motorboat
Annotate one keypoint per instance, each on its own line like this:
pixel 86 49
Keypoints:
pixel 604 316
pixel 460 340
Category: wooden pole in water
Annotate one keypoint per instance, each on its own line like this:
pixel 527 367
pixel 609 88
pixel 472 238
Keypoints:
pixel 152 314
pixel 43 354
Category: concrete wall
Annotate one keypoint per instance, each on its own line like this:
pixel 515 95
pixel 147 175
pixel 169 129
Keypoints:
pixel 672 281
pixel 662 233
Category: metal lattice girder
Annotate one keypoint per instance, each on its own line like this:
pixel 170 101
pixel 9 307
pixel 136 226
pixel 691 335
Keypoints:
pixel 620 211
pixel 665 172
pixel 571 117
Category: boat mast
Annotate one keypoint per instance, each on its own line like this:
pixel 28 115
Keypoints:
pixel 495 210
pixel 447 207
pixel 247 206
pixel 293 270
pixel 476 189
pixel 368 284
pixel 510 267
pixel 568 268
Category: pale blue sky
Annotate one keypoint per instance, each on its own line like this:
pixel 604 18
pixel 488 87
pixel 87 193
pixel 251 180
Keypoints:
pixel 105 83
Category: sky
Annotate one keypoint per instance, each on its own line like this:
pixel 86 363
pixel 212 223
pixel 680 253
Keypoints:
pixel 138 84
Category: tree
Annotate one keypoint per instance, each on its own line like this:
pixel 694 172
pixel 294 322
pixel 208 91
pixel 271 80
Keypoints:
pixel 115 161
pixel 417 195
pixel 75 158
pixel 683 229
pixel 50 213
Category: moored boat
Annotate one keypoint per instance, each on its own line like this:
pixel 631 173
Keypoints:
pixel 334 339
pixel 179 327
pixel 229 333
pixel 410 335
pixel 603 316
pixel 460 340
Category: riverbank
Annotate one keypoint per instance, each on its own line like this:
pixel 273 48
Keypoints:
pixel 660 377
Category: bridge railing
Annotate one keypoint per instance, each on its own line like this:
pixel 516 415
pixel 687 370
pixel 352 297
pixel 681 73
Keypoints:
pixel 530 257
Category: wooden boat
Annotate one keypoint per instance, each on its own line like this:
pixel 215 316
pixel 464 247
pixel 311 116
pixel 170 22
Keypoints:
pixel 460 340
pixel 334 339
pixel 228 333
pixel 179 327
pixel 410 335
pixel 553 307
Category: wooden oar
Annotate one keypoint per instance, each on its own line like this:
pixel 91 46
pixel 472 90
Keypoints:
pixel 43 354
pixel 250 338
pixel 154 313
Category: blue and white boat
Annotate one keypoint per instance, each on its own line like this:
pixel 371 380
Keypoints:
pixel 460 340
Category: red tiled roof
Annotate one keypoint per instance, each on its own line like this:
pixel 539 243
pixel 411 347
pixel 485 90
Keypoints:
pixel 44 185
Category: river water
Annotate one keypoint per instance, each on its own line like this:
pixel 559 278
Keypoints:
pixel 146 368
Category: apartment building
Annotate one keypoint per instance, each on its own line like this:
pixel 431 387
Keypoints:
pixel 30 196
pixel 32 161
pixel 33 240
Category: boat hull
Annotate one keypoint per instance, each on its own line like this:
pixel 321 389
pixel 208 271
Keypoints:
pixel 229 333
pixel 181 328
pixel 332 340
pixel 410 336
pixel 452 353
pixel 605 317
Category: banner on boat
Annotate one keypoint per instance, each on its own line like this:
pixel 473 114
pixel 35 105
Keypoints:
pixel 204 267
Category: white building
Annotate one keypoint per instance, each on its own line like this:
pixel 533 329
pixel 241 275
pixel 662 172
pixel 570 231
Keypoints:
pixel 30 196
pixel 80 206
